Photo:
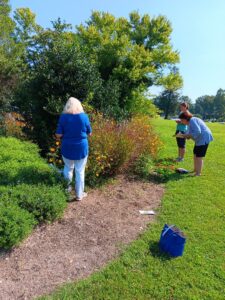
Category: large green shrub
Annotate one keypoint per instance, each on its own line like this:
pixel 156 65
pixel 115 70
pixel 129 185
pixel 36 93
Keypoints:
pixel 43 202
pixel 59 68
pixel 30 191
pixel 15 224
pixel 20 162
pixel 13 172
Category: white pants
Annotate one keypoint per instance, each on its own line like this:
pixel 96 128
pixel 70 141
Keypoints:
pixel 79 173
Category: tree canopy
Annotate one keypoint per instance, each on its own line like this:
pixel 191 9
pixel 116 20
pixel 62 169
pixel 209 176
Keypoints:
pixel 136 53
pixel 108 62
pixel 8 55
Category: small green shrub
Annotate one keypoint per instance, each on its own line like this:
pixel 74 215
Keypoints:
pixel 20 162
pixel 164 170
pixel 15 224
pixel 157 170
pixel 43 202
pixel 144 165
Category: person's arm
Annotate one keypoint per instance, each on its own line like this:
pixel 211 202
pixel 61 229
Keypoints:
pixel 183 135
pixel 59 130
pixel 187 136
pixel 88 127
pixel 193 132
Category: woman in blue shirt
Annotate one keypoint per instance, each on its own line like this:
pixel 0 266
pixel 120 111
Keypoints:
pixel 74 128
pixel 181 128
pixel 201 134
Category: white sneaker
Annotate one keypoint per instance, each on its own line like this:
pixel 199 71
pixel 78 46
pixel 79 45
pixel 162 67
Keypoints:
pixel 83 196
pixel 69 189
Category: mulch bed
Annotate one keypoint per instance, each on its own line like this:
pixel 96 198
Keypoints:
pixel 83 241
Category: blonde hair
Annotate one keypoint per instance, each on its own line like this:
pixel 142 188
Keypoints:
pixel 73 106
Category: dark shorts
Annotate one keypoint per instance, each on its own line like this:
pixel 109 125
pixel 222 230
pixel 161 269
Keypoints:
pixel 200 151
pixel 180 142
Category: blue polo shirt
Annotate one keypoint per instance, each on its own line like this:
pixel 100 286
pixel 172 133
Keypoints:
pixel 75 129
pixel 200 133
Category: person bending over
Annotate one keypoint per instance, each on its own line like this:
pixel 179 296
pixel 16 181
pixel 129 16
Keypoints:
pixel 202 136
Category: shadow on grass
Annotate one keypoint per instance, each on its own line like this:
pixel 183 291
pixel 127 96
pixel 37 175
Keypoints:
pixel 165 170
pixel 158 177
pixel 157 253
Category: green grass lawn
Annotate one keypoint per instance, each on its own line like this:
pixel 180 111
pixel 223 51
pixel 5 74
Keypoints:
pixel 197 206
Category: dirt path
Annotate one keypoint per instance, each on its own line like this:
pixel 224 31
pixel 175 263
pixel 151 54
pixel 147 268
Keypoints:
pixel 89 235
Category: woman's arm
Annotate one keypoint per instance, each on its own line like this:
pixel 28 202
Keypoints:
pixel 184 135
pixel 88 126
pixel 187 136
pixel 59 130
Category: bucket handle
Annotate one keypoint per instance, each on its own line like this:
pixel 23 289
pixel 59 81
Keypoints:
pixel 171 226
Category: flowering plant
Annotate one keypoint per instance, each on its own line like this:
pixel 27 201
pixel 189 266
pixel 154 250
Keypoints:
pixel 54 154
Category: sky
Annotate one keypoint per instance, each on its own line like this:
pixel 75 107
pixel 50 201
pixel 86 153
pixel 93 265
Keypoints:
pixel 198 32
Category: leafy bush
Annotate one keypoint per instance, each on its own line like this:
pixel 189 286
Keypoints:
pixel 15 224
pixel 59 69
pixel 108 150
pixel 11 124
pixel 13 173
pixel 164 170
pixel 30 191
pixel 115 147
pixel 43 202
pixel 142 138
pixel 141 103
pixel 21 163
pixel 143 166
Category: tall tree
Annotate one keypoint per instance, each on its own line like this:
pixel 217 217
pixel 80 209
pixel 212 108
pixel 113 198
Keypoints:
pixel 204 106
pixel 8 65
pixel 219 105
pixel 132 53
pixel 15 37
pixel 26 26
pixel 187 100
pixel 168 99
pixel 167 102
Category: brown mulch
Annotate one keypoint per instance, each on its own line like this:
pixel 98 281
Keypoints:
pixel 84 240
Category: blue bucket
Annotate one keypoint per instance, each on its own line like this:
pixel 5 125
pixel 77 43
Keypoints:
pixel 172 240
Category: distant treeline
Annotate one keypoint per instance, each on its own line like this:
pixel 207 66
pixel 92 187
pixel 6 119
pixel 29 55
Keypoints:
pixel 206 107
